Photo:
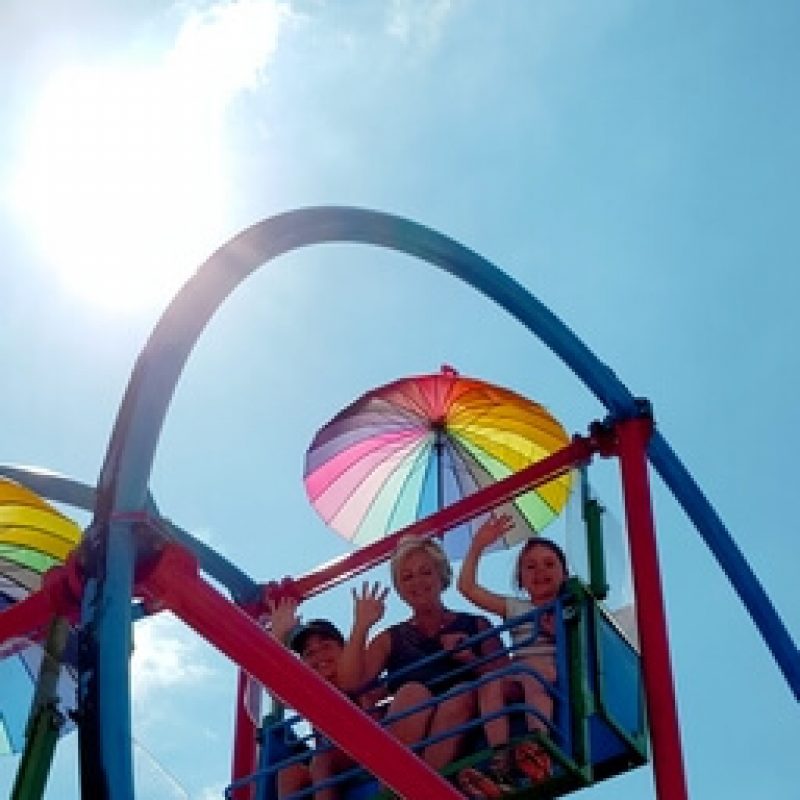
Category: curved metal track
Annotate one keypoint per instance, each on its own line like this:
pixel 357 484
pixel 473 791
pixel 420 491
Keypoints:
pixel 127 467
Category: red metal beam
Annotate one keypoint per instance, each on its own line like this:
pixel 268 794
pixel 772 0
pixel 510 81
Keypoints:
pixel 244 742
pixel 670 778
pixel 173 582
pixel 579 451
pixel 59 595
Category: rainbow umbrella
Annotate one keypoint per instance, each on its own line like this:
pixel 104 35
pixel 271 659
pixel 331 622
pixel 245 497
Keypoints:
pixel 33 538
pixel 404 450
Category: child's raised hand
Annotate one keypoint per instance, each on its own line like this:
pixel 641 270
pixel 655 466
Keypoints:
pixel 284 617
pixel 369 605
pixel 495 526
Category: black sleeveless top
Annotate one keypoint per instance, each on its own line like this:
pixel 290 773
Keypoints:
pixel 409 645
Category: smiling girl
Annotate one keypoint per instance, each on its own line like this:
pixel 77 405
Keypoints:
pixel 539 575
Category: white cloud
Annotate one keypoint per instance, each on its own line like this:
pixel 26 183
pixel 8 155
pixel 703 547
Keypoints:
pixel 416 23
pixel 165 654
pixel 227 47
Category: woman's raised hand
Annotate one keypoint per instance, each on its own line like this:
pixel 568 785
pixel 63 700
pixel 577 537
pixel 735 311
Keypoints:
pixel 369 604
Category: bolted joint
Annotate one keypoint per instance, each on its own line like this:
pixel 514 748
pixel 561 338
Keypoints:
pixel 603 437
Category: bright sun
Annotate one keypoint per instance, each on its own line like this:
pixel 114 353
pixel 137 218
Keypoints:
pixel 122 180
pixel 120 183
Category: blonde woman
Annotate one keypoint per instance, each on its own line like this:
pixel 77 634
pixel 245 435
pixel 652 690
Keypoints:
pixel 420 573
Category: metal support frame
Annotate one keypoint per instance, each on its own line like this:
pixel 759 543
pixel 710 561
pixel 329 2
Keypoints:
pixel 173 582
pixel 659 686
pixel 123 482
pixel 45 721
pixel 244 739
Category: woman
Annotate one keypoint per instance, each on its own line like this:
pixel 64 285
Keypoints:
pixel 420 573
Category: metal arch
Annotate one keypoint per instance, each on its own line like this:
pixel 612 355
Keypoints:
pixel 124 478
pixel 131 451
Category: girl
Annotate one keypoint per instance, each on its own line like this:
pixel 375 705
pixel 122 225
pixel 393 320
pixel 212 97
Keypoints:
pixel 540 573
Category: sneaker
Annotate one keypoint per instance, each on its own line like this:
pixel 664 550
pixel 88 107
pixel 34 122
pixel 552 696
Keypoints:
pixel 533 760
pixel 478 786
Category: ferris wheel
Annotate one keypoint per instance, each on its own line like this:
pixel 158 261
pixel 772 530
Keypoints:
pixel 69 600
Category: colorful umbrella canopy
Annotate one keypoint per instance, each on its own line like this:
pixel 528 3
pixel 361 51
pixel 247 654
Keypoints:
pixel 404 450
pixel 33 538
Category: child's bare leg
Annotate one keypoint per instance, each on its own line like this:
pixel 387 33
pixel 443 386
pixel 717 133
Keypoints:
pixel 536 693
pixel 325 765
pixel 292 779
pixel 492 698
pixel 412 728
pixel 449 714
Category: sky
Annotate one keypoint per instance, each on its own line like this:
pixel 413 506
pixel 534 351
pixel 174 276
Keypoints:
pixel 634 165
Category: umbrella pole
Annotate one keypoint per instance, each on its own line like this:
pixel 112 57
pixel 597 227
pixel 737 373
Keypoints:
pixel 439 445
pixel 45 720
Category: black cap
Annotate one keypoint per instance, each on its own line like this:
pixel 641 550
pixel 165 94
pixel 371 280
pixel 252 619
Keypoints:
pixel 314 627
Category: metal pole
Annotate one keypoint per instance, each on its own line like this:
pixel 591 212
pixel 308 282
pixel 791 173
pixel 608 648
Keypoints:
pixel 244 742
pixel 633 436
pixel 106 755
pixel 46 720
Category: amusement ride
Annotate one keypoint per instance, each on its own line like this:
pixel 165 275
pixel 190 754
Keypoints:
pixel 429 456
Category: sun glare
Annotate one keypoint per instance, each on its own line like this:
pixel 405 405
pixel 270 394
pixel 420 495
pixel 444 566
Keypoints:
pixel 122 180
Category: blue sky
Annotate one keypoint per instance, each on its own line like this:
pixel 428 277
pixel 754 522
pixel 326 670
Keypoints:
pixel 633 164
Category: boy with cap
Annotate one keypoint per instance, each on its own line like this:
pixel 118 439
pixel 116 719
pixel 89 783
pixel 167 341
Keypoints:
pixel 319 644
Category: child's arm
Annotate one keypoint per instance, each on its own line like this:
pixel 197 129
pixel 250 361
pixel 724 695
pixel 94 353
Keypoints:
pixel 488 533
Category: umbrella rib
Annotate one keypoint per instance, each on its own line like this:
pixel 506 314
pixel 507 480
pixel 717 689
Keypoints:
pixel 486 405
pixel 36 528
pixel 475 442
pixel 31 546
pixel 348 494
pixel 421 446
pixel 457 442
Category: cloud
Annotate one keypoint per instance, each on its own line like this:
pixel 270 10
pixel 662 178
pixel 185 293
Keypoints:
pixel 417 23
pixel 227 47
pixel 165 655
